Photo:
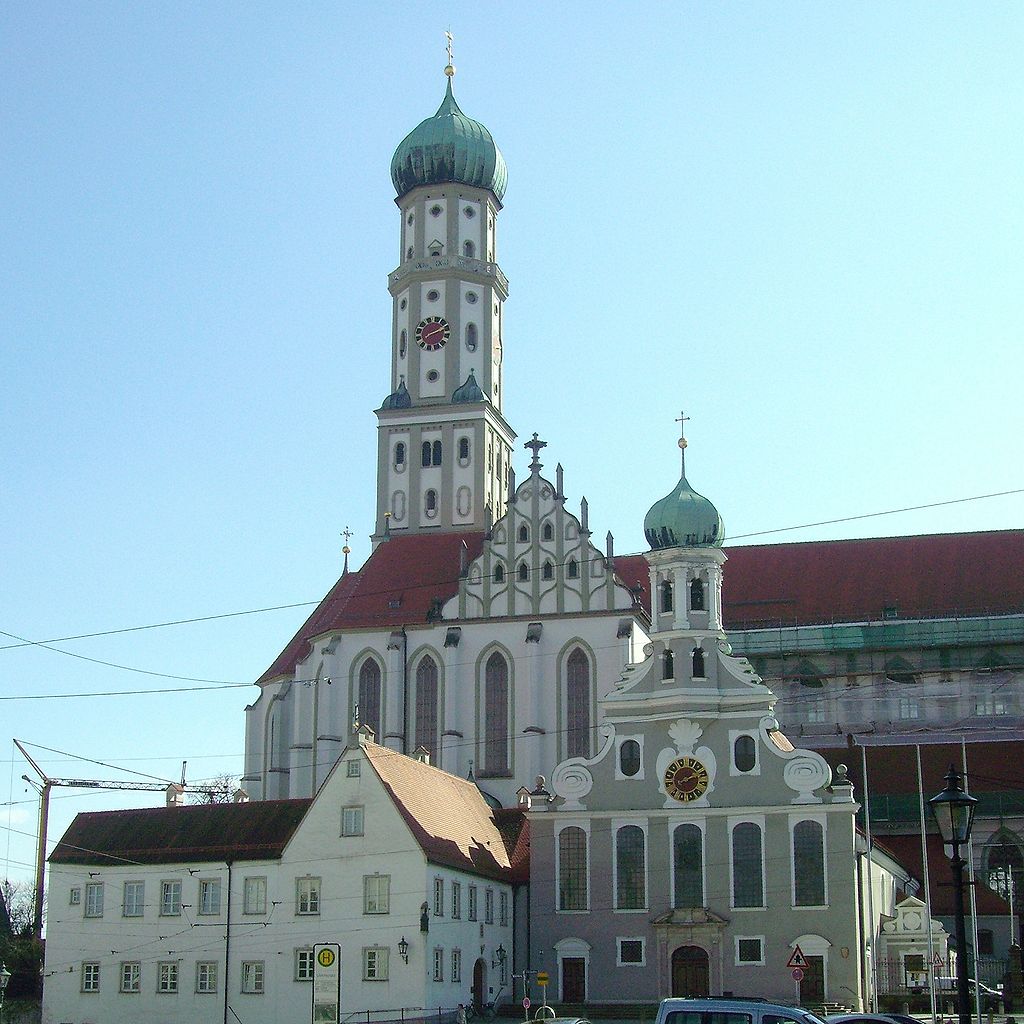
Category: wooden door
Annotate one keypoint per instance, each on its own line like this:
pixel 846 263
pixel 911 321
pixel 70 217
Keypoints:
pixel 691 975
pixel 812 988
pixel 574 979
pixel 479 984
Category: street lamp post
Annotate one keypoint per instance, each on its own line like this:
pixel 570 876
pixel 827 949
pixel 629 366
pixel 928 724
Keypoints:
pixel 954 814
pixel 5 976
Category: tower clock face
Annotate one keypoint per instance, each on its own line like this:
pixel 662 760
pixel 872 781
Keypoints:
pixel 686 779
pixel 433 333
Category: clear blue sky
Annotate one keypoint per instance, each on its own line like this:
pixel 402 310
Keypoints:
pixel 800 221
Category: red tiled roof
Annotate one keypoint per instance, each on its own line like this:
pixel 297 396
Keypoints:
pixel 395 587
pixel 448 815
pixel 515 830
pixel 166 835
pixel 908 852
pixel 927 576
pixel 635 573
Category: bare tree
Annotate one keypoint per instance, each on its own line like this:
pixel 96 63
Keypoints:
pixel 219 790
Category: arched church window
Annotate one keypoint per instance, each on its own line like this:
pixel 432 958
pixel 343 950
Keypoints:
pixel 468 249
pixel 688 866
pixel 496 715
pixel 430 502
pixel 463 450
pixel 524 572
pixel 425 454
pixel 499 573
pixel 629 758
pixel 548 532
pixel 437 453
pixel 572 570
pixel 572 869
pixel 630 876
pixel 401 345
pixel 577 700
pixel 524 533
pixel 698 663
pixel 666 596
pixel 548 572
pixel 369 696
pixel 399 455
pixel 744 754
pixel 747 865
pixel 471 339
pixel 668 667
pixel 809 864
pixel 426 705
pixel 696 596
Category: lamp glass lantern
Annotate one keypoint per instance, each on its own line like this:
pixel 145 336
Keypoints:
pixel 403 949
pixel 954 811
pixel 5 977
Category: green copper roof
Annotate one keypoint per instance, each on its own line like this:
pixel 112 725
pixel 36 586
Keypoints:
pixel 400 399
pixel 683 519
pixel 449 147
pixel 468 392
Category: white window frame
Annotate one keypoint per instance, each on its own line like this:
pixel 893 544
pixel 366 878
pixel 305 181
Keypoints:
pixel 456 959
pixel 456 901
pixel 75 895
pixel 167 972
pixel 616 824
pixel 736 950
pixel 619 776
pixel 304 964
pixel 206 976
pixel 208 889
pixel 734 735
pixel 582 823
pixel 702 825
pixel 488 906
pixel 909 709
pixel 794 820
pixel 438 964
pixel 93 899
pixel 472 908
pixel 170 897
pixel 135 906
pixel 503 908
pixel 353 768
pixel 376 894
pixel 438 897
pixel 376 962
pixel 307 896
pixel 254 976
pixel 352 820
pixel 90 976
pixel 731 823
pixel 131 977
pixel 254 894
pixel 619 962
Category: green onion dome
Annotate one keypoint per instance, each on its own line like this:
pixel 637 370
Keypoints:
pixel 400 399
pixel 683 519
pixel 449 147
pixel 468 392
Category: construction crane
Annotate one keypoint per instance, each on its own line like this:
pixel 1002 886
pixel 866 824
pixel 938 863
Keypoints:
pixel 43 789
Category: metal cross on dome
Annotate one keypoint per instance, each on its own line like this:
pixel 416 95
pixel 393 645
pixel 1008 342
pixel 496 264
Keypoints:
pixel 535 445
pixel 681 420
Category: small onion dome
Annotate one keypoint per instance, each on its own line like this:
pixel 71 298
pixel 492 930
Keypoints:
pixel 683 519
pixel 400 399
pixel 468 392
pixel 449 147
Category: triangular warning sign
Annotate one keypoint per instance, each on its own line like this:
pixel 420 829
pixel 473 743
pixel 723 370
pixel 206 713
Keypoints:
pixel 797 959
pixel 937 962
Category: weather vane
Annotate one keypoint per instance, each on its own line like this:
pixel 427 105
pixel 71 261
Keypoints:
pixel 450 69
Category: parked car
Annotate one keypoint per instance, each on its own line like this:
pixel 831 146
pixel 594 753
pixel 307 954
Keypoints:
pixel 732 1011
pixel 991 998
pixel 871 1018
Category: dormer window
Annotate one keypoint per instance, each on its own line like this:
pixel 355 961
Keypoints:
pixel 696 596
pixel 436 248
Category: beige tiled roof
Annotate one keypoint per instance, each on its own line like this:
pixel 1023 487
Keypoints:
pixel 448 815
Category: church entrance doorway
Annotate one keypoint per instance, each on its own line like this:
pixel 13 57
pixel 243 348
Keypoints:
pixel 479 990
pixel 690 972
pixel 574 979
pixel 812 987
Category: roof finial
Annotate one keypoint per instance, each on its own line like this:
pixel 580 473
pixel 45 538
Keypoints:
pixel 535 445
pixel 450 69
pixel 681 420
pixel 347 534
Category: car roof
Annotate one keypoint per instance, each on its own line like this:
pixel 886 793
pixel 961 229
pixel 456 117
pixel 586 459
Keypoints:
pixel 677 1003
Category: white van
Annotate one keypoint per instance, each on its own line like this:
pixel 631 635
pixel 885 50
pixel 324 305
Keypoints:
pixel 731 1011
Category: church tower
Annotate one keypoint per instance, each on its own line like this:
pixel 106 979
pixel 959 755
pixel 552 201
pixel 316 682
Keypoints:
pixel 444 449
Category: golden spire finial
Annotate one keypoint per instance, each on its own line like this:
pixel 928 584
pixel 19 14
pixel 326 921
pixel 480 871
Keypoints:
pixel 450 68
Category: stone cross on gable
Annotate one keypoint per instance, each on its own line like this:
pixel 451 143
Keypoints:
pixel 535 446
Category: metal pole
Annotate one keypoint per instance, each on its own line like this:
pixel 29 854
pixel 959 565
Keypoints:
pixel 927 886
pixel 870 936
pixel 963 1001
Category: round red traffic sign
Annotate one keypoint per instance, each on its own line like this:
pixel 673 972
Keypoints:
pixel 798 974
pixel 526 1002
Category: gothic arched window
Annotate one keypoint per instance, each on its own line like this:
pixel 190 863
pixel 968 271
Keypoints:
pixel 496 715
pixel 425 453
pixel 666 596
pixel 524 533
pixel 499 573
pixel 688 866
pixel 426 705
pixel 630 873
pixel 548 533
pixel 696 595
pixel 524 572
pixel 577 701
pixel 572 869
pixel 698 663
pixel 369 696
pixel 437 453
pixel 548 572
pixel 572 570
pixel 809 864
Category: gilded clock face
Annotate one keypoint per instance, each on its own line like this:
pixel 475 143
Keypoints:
pixel 686 779
pixel 433 333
